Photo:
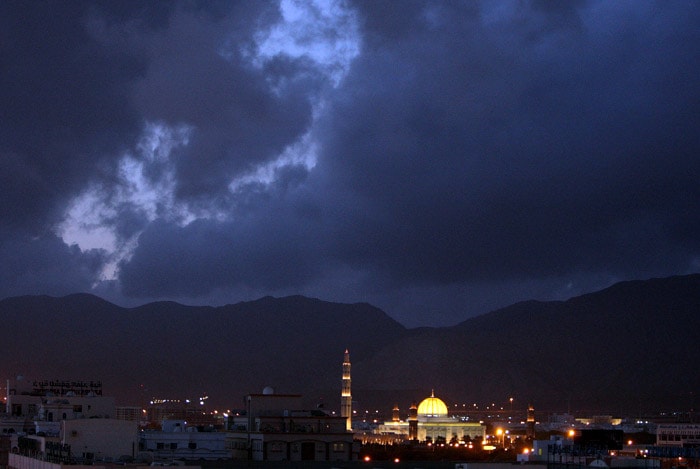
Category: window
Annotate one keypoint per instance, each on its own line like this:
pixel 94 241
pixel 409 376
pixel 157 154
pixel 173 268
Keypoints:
pixel 276 447
pixel 160 445
pixel 192 446
pixel 338 447
pixel 173 445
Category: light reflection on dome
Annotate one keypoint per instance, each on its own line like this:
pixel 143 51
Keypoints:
pixel 432 407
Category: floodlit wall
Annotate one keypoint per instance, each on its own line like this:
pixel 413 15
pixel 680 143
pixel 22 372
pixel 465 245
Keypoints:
pixel 104 438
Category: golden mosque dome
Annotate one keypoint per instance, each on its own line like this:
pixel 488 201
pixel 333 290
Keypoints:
pixel 432 407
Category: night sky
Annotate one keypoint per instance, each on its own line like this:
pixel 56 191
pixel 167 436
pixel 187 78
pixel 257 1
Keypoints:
pixel 436 159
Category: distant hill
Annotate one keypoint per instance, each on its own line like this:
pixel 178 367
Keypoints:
pixel 164 349
pixel 629 348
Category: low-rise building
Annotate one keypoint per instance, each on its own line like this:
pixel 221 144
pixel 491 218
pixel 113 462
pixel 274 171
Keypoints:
pixel 178 441
pixel 31 400
pixel 679 434
pixel 84 440
pixel 100 439
pixel 66 421
pixel 276 428
pixel 133 413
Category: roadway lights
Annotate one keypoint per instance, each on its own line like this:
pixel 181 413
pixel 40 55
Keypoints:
pixel 501 436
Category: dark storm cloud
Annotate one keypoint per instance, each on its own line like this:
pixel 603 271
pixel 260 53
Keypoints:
pixel 475 154
pixel 46 266
pixel 268 251
pixel 80 81
pixel 521 148
pixel 63 107
pixel 64 116
pixel 237 120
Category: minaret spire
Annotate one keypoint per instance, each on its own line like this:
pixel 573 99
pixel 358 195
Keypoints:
pixel 346 394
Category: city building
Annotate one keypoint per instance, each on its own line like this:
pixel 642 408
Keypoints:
pixel 83 440
pixel 178 441
pixel 544 450
pixel 40 406
pixel 133 413
pixel 600 421
pixel 192 411
pixel 680 434
pixel 100 439
pixel 65 421
pixel 587 448
pixel 276 428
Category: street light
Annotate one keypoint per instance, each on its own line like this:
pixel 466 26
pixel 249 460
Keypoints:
pixel 500 434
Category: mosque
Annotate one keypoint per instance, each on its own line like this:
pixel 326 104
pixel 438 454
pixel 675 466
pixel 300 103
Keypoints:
pixel 430 420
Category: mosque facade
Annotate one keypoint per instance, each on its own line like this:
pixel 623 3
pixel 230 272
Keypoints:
pixel 430 420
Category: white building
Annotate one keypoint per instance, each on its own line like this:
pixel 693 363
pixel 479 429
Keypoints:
pixel 100 439
pixel 39 406
pixel 69 418
pixel 31 398
pixel 84 440
pixel 178 441
pixel 681 434
pixel 544 450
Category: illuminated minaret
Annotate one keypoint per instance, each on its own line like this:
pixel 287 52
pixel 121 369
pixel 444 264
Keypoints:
pixel 413 422
pixel 530 429
pixel 346 395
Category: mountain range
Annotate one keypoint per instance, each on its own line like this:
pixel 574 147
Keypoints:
pixel 631 348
